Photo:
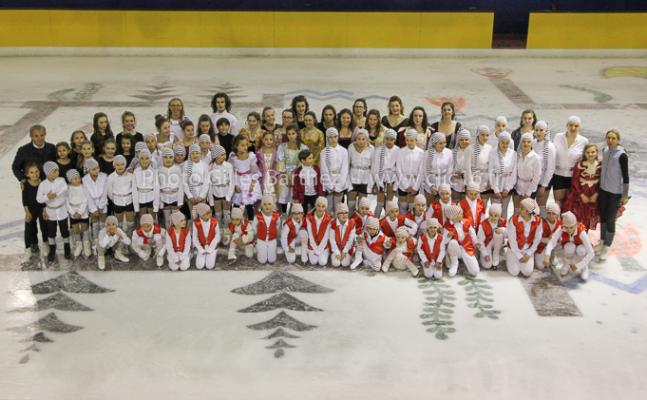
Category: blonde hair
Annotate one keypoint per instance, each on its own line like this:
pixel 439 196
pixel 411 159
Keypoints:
pixel 615 132
pixel 588 146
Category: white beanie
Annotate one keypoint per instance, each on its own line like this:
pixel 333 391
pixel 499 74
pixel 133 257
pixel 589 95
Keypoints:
pixel 332 132
pixel 195 148
pixel 342 208
pixel 505 135
pixel 204 138
pixel 526 136
pixel 361 131
pixel 495 208
pixel 144 153
pixel 321 200
pixel 267 199
pixel 463 134
pixel 139 146
pixel 444 187
pixel 71 174
pixel 541 124
pixel 453 210
pixel 90 163
pixel 568 219
pixel 218 151
pixel 481 129
pixel 296 208
pixel 574 119
pixel 373 223
pixel 529 204
pixel 411 133
pixel 177 217
pixel 391 205
pixel 436 137
pixel 167 152
pixel 146 219
pixel 420 199
pixel 402 232
pixel 237 213
pixel 391 133
pixel 202 209
pixel 179 150
pixel 501 120
pixel 554 208
pixel 473 186
pixel 118 160
pixel 111 219
pixel 363 202
pixel 429 222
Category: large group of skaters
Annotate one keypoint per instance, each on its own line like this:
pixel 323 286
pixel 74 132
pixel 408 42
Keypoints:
pixel 300 189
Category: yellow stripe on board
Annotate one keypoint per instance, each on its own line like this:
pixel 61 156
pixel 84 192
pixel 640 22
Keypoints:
pixel 69 28
pixel 587 30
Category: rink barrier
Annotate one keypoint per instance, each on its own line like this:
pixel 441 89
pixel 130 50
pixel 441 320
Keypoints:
pixel 587 31
pixel 215 29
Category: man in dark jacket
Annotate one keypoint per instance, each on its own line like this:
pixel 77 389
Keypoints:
pixel 37 151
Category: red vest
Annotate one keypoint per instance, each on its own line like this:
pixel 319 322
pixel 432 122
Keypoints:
pixel 437 206
pixel 547 232
pixel 489 231
pixel 292 229
pixel 576 237
pixel 410 215
pixel 432 255
pixel 213 226
pixel 320 232
pixel 343 241
pixel 467 238
pixel 232 227
pixel 377 246
pixel 184 232
pixel 474 220
pixel 359 221
pixel 386 227
pixel 156 231
pixel 521 239
pixel 411 246
pixel 263 233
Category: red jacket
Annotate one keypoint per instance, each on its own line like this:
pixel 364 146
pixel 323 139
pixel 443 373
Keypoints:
pixel 298 189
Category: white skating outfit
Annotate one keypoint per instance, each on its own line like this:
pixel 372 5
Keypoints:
pixel 359 172
pixel 318 243
pixel 241 231
pixel 206 236
pixel 222 182
pixel 120 189
pixel 267 228
pixel 77 202
pixel 149 243
pixel 294 234
pixel 57 207
pixel 528 174
pixel 461 244
pixel 95 192
pixel 546 152
pixel 171 186
pixel 523 239
pixel 438 168
pixel 566 157
pixel 196 180
pixel 112 241
pixel 246 172
pixel 548 231
pixel 491 242
pixel 145 188
pixel 383 169
pixel 503 175
pixel 342 240
pixel 481 166
pixel 462 159
pixel 431 251
pixel 178 248
pixel 410 168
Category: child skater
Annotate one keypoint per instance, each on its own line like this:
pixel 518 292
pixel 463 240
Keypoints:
pixel 360 216
pixel 294 234
pixel 267 226
pixel 409 169
pixel 462 164
pixel 572 247
pixel 53 193
pixel 63 159
pixel 431 249
pixel 120 192
pixel 318 225
pixel 384 170
pixel 524 233
pixel 206 236
pixel 503 171
pixel 221 184
pixel 267 166
pixel 528 171
pixel 111 238
pixel 472 206
pixel 334 169
pixel 248 190
pixel 462 242
pixel 342 238
pixel 195 178
pixel 438 209
pixel 148 240
pixel 288 162
pixel 545 149
pixel 178 243
pixel 307 186
pixel 372 245
pixel 393 220
pixel 95 185
pixel 77 207
pixel 145 186
pixel 418 214
pixel 171 186
pixel 239 235
pixel 401 254
pixel 549 225
pixel 33 214
pixel 491 235
pixel 438 166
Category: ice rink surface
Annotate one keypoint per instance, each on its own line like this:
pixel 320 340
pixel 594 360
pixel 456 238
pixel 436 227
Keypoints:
pixel 289 332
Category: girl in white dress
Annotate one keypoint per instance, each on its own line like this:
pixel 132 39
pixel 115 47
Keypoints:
pixel 503 172
pixel 248 190
pixel 480 162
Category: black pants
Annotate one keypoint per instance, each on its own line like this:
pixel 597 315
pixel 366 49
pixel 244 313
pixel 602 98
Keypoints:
pixel 309 203
pixel 608 205
pixel 62 225
pixel 249 210
pixel 31 227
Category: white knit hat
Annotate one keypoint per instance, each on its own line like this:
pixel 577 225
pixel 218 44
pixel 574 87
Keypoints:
pixel 218 151
pixel 202 209
pixel 402 232
pixel 481 129
pixel 529 204
pixel 411 133
pixel 194 148
pixel 150 135
pixel 472 186
pixel 391 205
pixel 495 208
pixel 527 136
pixel 501 120
pixel 321 200
pixel 118 160
pixel 332 132
pixel 363 202
pixel 267 199
pixel 144 153
pixel 505 135
pixel 453 210
pixel 71 174
pixel 90 163
pixel 111 219
pixel 146 219
pixel 420 199
pixel 204 138
pixel 297 208
pixel 574 119
pixel 436 137
pixel 177 217
pixel 361 131
pixel 179 149
pixel 237 213
pixel 167 152
pixel 541 124
pixel 569 219
pixel 373 223
pixel 554 208
pixel 444 188
pixel 139 146
pixel 463 134
pixel 429 222
pixel 391 133
pixel 342 208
